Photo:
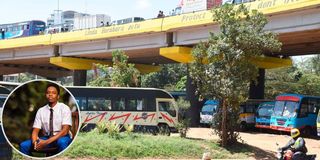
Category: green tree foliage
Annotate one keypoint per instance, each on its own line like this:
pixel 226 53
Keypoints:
pixel 222 69
pixel 183 124
pixel 123 74
pixel 102 80
pixel 314 64
pixel 291 80
pixel 168 77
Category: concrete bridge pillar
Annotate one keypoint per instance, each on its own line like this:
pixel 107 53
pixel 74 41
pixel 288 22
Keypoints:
pixel 79 77
pixel 256 90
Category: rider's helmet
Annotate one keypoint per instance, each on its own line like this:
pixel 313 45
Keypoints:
pixel 294 132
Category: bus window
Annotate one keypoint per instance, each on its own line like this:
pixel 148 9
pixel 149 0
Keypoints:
pixel 304 108
pixel 2 99
pixel 285 108
pixel 278 108
pixel 290 109
pixel 99 104
pixel 242 109
pixel 135 104
pixel 119 104
pixel 82 102
pixel 167 107
pixel 140 105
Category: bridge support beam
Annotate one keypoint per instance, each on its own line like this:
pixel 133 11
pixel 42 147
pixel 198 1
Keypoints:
pixel 86 64
pixel 80 77
pixel 256 90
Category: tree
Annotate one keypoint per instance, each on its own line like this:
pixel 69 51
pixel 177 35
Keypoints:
pixel 221 67
pixel 123 74
pixel 103 79
pixel 291 80
pixel 168 77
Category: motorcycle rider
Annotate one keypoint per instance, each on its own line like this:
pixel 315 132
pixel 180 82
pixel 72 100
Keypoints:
pixel 297 145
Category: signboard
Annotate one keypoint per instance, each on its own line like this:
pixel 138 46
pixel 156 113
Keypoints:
pixel 193 5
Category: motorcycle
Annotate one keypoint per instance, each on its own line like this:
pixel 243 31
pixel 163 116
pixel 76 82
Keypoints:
pixel 289 155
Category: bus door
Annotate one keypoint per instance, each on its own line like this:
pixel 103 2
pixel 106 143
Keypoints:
pixel 166 112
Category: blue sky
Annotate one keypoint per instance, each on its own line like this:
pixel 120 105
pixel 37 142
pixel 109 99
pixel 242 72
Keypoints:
pixel 22 10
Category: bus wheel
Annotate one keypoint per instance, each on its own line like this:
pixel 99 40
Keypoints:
pixel 243 126
pixel 307 131
pixel 164 129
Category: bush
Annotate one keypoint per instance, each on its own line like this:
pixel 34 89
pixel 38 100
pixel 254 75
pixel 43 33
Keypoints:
pixel 101 127
pixel 183 127
pixel 113 130
pixel 129 128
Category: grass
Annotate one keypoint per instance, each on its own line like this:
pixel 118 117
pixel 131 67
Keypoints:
pixel 95 145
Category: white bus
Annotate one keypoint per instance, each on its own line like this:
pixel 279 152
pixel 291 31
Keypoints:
pixel 148 109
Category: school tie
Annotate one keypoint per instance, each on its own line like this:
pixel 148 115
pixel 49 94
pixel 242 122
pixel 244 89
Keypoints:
pixel 51 123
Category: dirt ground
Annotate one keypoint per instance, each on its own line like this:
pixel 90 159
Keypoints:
pixel 259 140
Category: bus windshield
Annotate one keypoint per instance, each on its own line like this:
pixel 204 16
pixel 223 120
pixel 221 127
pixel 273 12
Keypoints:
pixel 285 108
pixel 209 109
pixel 265 111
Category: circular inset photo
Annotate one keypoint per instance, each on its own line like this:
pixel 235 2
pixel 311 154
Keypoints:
pixel 40 118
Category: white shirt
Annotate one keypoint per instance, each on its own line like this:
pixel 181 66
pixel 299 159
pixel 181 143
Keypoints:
pixel 61 116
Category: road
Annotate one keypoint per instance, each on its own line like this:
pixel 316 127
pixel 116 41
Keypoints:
pixel 264 141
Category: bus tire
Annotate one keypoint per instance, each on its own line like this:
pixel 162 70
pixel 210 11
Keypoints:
pixel 307 131
pixel 164 129
pixel 243 126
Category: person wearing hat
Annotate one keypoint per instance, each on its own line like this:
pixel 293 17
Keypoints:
pixel 297 145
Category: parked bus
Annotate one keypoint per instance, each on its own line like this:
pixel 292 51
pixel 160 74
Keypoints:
pixel 208 111
pixel 148 109
pixel 21 29
pixel 295 111
pixel 247 113
pixel 318 123
pixel 5 148
pixel 263 114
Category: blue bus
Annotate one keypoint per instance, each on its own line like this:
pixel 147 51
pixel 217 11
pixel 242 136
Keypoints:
pixel 263 114
pixel 21 29
pixel 208 111
pixel 295 111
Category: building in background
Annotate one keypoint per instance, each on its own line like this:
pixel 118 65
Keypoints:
pixel 90 21
pixel 63 21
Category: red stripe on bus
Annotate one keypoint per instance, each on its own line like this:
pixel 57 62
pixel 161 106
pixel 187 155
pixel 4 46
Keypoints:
pixel 113 117
pixel 137 118
pixel 93 117
pixel 288 98
pixel 167 118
